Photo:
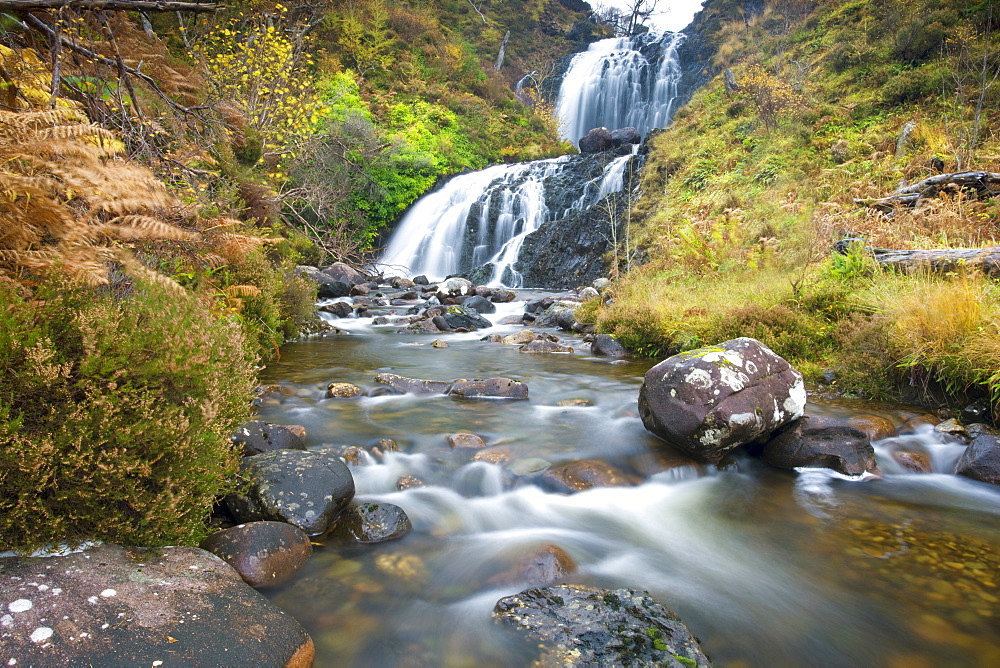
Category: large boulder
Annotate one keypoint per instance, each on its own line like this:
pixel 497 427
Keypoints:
pixel 712 400
pixel 345 273
pixel 265 554
pixel 625 136
pixel 481 304
pixel 461 317
pixel 116 606
pixel 256 437
pixel 327 286
pixel 981 460
pixel 822 442
pixel 305 489
pixel 596 141
pixel 582 626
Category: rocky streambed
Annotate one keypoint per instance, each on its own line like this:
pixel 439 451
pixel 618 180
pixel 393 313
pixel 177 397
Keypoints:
pixel 456 476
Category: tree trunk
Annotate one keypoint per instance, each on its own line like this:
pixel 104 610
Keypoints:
pixel 983 184
pixel 943 260
pixel 107 5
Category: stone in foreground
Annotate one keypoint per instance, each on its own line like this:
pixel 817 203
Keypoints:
pixel 579 626
pixel 712 400
pixel 822 442
pixel 265 554
pixel 981 460
pixel 115 606
pixel 304 489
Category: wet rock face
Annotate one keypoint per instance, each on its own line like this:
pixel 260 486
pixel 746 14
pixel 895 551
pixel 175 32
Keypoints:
pixel 265 554
pixel 371 523
pixel 115 606
pixel 579 626
pixel 596 141
pixel 305 489
pixel 815 441
pixel 257 437
pixel 981 460
pixel 712 400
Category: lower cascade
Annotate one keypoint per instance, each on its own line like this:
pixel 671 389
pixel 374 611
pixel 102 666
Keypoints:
pixel 479 222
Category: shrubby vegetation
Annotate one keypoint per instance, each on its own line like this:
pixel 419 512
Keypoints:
pixel 744 195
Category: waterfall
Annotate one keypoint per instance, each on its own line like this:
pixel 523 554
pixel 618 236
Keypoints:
pixel 620 82
pixel 483 217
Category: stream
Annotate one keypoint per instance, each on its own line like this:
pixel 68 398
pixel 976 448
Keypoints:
pixel 767 567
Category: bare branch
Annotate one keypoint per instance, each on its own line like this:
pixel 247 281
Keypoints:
pixel 107 5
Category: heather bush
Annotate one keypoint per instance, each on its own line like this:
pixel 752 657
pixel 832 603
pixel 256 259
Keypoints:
pixel 114 415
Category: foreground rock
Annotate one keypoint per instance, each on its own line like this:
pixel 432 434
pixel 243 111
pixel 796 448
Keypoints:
pixel 712 400
pixel 112 606
pixel 257 437
pixel 815 441
pixel 981 460
pixel 578 626
pixel 265 554
pixel 305 489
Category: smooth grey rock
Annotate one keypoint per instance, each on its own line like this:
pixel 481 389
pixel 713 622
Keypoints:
pixel 116 606
pixel 605 345
pixel 583 626
pixel 413 385
pixel 981 460
pixel 345 273
pixel 712 400
pixel 256 437
pixel 625 136
pixel 481 304
pixel 305 489
pixel 457 285
pixel 265 554
pixel 490 388
pixel 544 346
pixel 823 442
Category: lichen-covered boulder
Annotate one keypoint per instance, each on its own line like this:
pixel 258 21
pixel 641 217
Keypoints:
pixel 413 385
pixel 822 442
pixel 256 437
pixel 462 317
pixel 305 489
pixel 490 388
pixel 118 606
pixel 712 400
pixel 369 523
pixel 342 391
pixel 981 460
pixel 265 554
pixel 582 626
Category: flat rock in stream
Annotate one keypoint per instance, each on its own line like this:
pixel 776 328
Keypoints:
pixel 490 388
pixel 413 385
pixel 822 442
pixel 116 606
pixel 581 626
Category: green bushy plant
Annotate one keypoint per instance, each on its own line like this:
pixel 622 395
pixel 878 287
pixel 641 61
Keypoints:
pixel 115 415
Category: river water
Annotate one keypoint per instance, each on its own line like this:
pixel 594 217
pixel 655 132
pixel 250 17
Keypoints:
pixel 767 567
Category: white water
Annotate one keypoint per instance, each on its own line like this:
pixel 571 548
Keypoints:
pixel 614 84
pixel 483 217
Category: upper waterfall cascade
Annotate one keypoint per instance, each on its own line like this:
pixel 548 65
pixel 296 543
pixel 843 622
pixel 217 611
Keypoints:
pixel 621 82
pixel 482 218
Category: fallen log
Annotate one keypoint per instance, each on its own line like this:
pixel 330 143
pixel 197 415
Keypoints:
pixel 940 260
pixel 981 184
pixel 107 5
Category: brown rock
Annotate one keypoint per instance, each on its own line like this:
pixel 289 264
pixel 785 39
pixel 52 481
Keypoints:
pixel 263 553
pixel 545 347
pixel 519 338
pixel 297 429
pixel 876 426
pixel 466 441
pixel 496 455
pixel 116 606
pixel 409 482
pixel 545 566
pixel 342 391
pixel 663 459
pixel 917 462
pixel 586 474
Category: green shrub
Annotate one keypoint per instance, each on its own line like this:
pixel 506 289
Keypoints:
pixel 115 415
pixel 793 334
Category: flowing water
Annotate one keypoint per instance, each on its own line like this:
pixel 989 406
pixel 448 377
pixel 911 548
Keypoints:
pixel 620 82
pixel 767 567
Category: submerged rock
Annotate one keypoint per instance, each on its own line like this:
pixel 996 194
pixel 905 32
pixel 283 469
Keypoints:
pixel 712 400
pixel 116 606
pixel 581 626
pixel 981 460
pixel 541 568
pixel 816 441
pixel 586 474
pixel 257 437
pixel 466 441
pixel 305 489
pixel 265 554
